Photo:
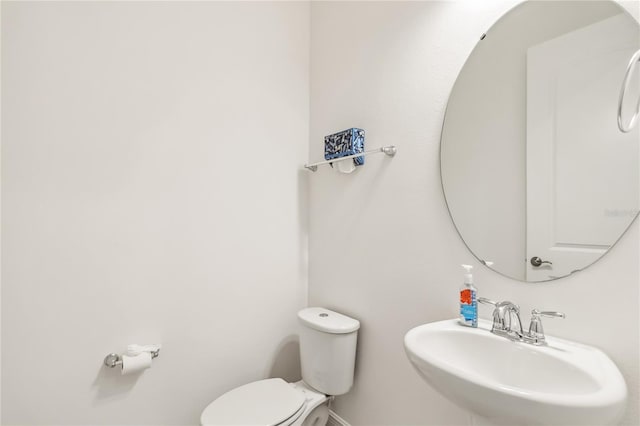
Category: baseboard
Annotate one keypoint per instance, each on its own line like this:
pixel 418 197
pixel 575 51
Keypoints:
pixel 336 420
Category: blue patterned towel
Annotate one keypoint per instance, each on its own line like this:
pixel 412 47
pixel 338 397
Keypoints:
pixel 344 143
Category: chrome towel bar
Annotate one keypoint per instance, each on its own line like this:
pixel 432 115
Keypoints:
pixel 389 150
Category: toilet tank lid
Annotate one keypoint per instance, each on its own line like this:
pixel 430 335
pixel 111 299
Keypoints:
pixel 322 319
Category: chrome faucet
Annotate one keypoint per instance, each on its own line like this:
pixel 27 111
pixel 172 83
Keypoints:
pixel 507 323
pixel 506 319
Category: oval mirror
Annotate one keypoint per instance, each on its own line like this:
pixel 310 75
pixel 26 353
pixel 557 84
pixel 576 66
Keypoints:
pixel 539 180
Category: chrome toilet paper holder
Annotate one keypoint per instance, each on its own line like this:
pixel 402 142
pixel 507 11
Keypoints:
pixel 115 360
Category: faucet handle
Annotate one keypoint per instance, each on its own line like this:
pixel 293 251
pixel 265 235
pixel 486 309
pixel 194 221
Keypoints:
pixel 498 321
pixel 487 301
pixel 536 332
pixel 548 314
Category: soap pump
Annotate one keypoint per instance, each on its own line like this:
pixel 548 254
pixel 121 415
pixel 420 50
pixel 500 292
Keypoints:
pixel 468 300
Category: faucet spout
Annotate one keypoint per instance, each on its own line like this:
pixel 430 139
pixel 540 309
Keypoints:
pixel 506 320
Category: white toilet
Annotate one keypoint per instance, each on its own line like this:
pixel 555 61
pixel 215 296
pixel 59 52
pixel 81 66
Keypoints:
pixel 327 357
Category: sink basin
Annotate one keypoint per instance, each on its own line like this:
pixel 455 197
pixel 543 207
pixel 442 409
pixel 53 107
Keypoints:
pixel 513 383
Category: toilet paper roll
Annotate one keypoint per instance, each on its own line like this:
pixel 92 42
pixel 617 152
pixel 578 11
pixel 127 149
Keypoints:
pixel 135 364
pixel 346 166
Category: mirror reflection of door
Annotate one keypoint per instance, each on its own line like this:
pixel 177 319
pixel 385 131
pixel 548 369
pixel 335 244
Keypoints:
pixel 578 206
pixel 532 161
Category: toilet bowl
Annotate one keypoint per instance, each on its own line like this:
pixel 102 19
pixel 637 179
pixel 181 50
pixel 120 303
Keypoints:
pixel 327 358
pixel 268 402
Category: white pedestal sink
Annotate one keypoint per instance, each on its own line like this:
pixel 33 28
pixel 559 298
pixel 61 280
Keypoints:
pixel 513 383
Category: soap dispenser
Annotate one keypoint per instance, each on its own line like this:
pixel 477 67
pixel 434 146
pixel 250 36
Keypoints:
pixel 468 300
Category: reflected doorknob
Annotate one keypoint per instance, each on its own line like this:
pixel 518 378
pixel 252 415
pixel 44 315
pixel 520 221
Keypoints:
pixel 536 261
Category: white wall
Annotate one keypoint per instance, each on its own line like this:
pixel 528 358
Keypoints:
pixel 150 193
pixel 0 216
pixel 382 246
pixel 143 156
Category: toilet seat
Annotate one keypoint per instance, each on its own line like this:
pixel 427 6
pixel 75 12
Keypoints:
pixel 267 402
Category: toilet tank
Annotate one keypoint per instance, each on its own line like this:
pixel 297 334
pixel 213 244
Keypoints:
pixel 327 350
